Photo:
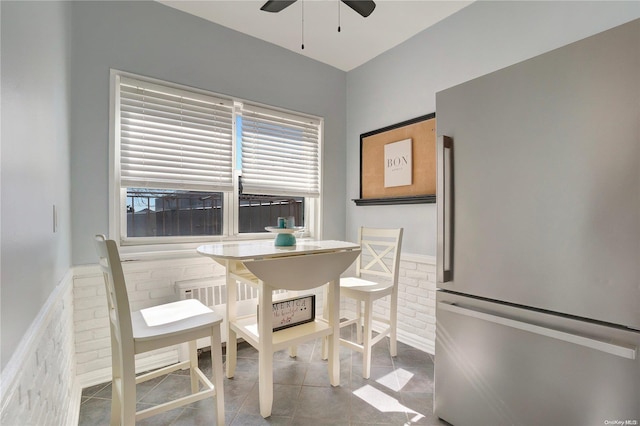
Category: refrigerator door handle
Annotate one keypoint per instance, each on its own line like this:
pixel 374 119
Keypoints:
pixel 623 351
pixel 444 249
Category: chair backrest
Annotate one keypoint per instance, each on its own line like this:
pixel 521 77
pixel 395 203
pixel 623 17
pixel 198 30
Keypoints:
pixel 380 254
pixel 117 298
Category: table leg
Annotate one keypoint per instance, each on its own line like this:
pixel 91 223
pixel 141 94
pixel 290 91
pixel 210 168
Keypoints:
pixel 216 369
pixel 334 339
pixel 265 350
pixel 232 338
pixel 325 315
pixel 265 382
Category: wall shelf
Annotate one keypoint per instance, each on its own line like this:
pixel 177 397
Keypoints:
pixel 420 199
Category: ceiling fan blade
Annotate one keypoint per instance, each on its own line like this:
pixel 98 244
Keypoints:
pixel 276 5
pixel 363 7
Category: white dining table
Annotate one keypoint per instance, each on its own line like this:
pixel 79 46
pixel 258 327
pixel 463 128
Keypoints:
pixel 303 266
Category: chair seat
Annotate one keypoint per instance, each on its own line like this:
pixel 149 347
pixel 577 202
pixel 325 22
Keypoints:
pixel 170 318
pixel 172 323
pixel 352 286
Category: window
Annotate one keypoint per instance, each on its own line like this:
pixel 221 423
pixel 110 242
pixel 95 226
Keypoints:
pixel 279 153
pixel 189 165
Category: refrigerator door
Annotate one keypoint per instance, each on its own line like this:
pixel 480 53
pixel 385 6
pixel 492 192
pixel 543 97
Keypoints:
pixel 501 365
pixel 543 192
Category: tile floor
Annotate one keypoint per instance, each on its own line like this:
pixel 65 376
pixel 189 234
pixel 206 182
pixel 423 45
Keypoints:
pixel 399 391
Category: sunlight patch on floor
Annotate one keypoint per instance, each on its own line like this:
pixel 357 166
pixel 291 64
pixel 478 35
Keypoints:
pixel 395 381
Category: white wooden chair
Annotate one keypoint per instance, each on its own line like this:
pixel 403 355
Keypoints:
pixel 376 277
pixel 153 328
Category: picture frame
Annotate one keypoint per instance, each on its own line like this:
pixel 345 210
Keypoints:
pixel 398 163
pixel 293 311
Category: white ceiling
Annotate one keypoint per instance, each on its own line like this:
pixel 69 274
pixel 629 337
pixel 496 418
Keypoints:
pixel 360 39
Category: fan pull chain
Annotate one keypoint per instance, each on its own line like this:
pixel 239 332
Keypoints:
pixel 338 15
pixel 302 2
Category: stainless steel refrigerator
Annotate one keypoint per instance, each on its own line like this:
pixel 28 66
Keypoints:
pixel 538 307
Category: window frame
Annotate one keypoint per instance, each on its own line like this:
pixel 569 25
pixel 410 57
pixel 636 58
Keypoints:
pixel 231 203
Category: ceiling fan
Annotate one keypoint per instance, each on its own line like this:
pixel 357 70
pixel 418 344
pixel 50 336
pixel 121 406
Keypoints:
pixel 363 7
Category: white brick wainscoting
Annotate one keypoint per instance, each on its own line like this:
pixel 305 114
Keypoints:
pixel 417 302
pixel 39 385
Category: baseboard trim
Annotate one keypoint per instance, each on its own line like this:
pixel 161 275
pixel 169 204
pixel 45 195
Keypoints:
pixel 417 342
pixel 75 400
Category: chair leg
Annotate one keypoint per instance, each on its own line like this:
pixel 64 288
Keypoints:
pixel 393 318
pixel 293 351
pixel 116 383
pixel 216 370
pixel 366 343
pixel 359 323
pixel 325 349
pixel 127 402
pixel 116 405
pixel 193 364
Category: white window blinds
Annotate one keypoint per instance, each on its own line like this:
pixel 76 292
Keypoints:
pixel 280 153
pixel 172 138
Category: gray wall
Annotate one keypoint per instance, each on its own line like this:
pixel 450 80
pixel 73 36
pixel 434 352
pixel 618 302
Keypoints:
pixel 35 162
pixel 401 83
pixel 157 41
